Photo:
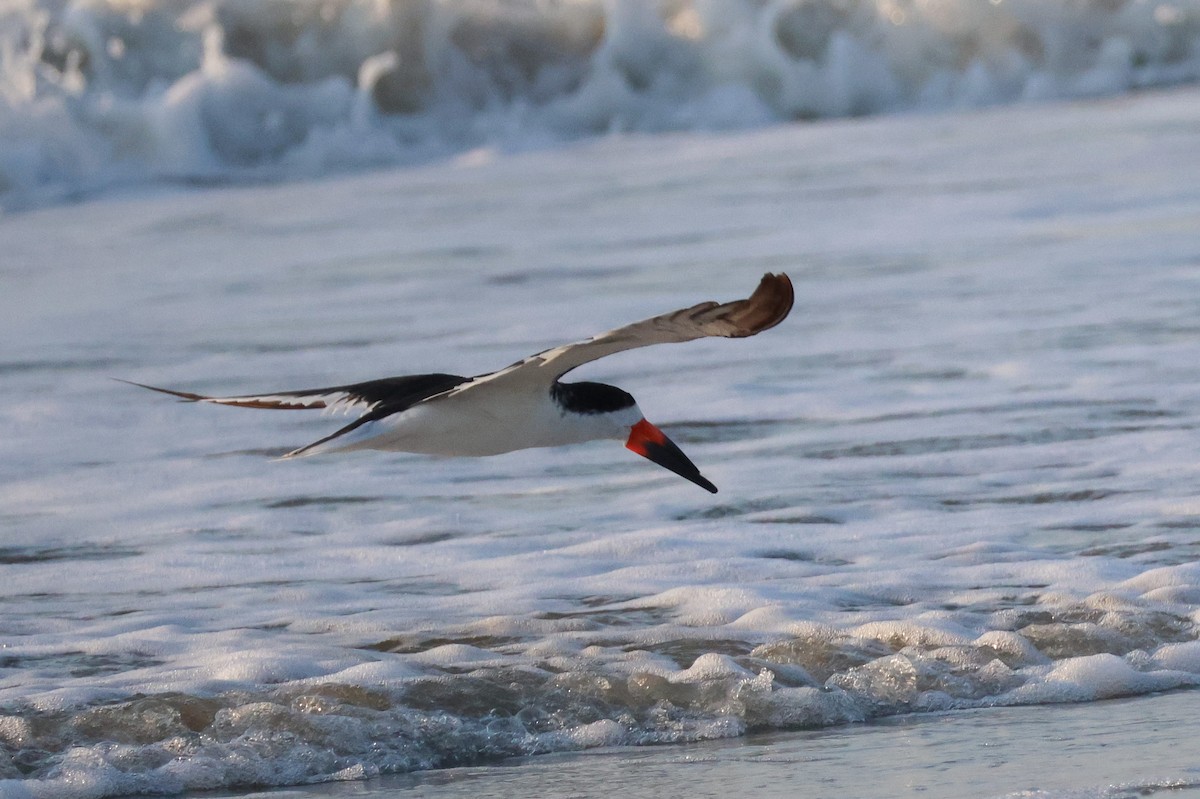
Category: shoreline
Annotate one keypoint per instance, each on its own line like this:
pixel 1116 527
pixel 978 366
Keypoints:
pixel 1104 749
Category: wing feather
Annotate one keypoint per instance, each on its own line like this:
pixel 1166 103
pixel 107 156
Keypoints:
pixel 766 307
pixel 390 393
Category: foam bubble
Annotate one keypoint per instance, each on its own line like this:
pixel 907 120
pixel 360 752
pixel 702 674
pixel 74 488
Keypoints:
pixel 1101 676
pixel 1179 657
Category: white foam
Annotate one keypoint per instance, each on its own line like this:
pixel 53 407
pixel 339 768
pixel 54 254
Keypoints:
pixel 1102 676
pixel 1179 657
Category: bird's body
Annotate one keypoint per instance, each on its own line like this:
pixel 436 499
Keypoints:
pixel 489 419
pixel 524 405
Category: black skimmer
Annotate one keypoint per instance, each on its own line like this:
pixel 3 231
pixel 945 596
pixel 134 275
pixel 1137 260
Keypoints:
pixel 523 405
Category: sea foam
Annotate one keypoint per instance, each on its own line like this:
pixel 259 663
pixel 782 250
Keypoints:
pixel 961 475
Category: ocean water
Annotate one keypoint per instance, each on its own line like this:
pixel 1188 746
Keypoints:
pixel 961 475
pixel 97 95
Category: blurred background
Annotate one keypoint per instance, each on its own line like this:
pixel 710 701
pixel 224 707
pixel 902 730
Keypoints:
pixel 103 93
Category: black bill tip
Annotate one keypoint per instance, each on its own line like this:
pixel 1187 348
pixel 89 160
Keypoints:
pixel 651 443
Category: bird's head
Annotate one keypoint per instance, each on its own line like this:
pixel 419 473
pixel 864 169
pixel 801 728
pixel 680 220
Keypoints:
pixel 617 412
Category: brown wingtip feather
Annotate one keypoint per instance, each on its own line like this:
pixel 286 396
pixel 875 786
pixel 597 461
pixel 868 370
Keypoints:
pixel 769 305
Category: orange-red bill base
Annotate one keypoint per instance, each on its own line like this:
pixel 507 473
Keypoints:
pixel 651 443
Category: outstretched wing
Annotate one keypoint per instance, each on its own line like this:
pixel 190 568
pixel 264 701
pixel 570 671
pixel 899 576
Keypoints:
pixel 387 395
pixel 766 307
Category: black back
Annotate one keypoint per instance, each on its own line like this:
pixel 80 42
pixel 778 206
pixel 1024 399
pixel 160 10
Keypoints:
pixel 395 394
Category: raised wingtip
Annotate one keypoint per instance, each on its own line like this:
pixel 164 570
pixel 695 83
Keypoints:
pixel 769 305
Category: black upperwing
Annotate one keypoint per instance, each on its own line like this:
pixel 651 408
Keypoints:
pixel 375 398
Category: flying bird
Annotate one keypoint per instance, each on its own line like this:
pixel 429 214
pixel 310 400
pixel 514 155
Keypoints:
pixel 523 405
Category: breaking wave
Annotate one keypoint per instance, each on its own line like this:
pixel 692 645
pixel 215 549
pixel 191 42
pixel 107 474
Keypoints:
pixel 478 704
pixel 102 93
